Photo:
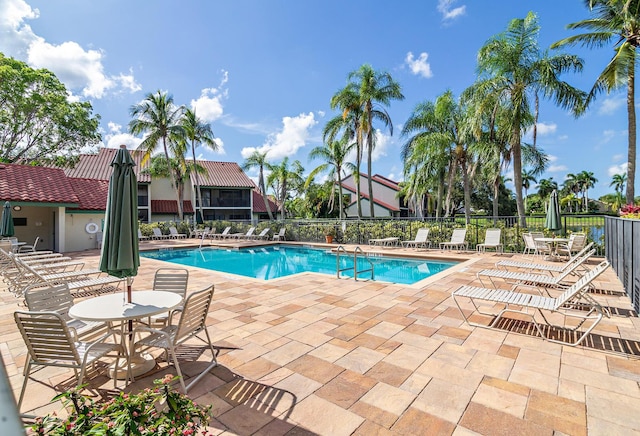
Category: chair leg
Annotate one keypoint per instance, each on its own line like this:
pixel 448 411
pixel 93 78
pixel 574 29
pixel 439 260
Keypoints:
pixel 27 371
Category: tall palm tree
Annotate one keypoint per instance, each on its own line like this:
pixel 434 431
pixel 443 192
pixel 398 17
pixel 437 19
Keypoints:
pixel 545 188
pixel 587 180
pixel 527 178
pixel 618 181
pixel 159 118
pixel 197 132
pixel 259 160
pixel 285 178
pixel 348 125
pixel 376 90
pixel 617 23
pixel 513 70
pixel 334 155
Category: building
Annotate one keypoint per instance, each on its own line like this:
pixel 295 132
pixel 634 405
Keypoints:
pixel 65 207
pixel 386 199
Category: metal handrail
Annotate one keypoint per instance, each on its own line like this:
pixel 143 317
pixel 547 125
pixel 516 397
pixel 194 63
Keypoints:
pixel 338 270
pixel 355 264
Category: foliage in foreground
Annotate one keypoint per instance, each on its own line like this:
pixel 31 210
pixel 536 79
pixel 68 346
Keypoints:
pixel 158 411
pixel 630 211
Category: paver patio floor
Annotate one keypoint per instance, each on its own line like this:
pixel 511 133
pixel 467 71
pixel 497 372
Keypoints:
pixel 311 354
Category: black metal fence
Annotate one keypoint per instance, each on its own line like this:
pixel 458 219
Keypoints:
pixel 360 231
pixel 622 246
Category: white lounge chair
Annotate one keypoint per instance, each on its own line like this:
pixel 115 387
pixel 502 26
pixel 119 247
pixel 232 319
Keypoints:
pixel 421 239
pixel 222 235
pixel 157 234
pixel 491 240
pixel 280 236
pixel 27 248
pixel 50 343
pixel 457 240
pixel 263 235
pixel 247 235
pixel 192 323
pixel 570 304
pixel 546 267
pixel 142 237
pixel 173 233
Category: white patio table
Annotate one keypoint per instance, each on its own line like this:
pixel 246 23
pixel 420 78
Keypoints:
pixel 553 245
pixel 113 308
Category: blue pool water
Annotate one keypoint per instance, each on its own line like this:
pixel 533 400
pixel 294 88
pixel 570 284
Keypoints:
pixel 278 261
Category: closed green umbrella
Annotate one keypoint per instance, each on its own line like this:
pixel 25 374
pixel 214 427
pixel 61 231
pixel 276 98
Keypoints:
pixel 120 254
pixel 6 222
pixel 552 222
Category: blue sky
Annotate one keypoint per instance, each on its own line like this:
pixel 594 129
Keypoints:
pixel 263 71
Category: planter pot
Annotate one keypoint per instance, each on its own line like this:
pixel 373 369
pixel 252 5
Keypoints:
pixel 329 239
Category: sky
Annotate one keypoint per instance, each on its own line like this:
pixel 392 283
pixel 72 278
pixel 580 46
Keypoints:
pixel 263 72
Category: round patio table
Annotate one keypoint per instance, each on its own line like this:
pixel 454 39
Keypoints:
pixel 114 308
pixel 553 245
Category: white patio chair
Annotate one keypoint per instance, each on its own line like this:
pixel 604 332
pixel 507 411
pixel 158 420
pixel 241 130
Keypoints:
pixel 541 247
pixel 222 235
pixel 142 237
pixel 192 323
pixel 576 243
pixel 546 267
pixel 491 240
pixel 51 343
pixel 157 234
pixel 247 235
pixel 170 280
pixel 457 240
pixel 574 303
pixel 263 235
pixel 421 239
pixel 173 233
pixel 27 248
pixel 280 236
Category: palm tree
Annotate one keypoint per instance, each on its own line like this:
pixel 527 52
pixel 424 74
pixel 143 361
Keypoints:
pixel 258 159
pixel 527 178
pixel 614 22
pixel 587 180
pixel 513 70
pixel 375 91
pixel 618 181
pixel 159 118
pixel 197 132
pixel 545 188
pixel 284 178
pixel 334 155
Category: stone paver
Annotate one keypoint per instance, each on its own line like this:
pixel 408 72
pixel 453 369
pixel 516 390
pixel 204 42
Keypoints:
pixel 311 354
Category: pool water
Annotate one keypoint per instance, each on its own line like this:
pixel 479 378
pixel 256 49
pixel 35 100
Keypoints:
pixel 279 261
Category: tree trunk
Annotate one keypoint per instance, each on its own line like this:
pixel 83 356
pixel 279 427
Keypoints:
pixel 340 200
pixel 263 191
pixel 356 179
pixel 369 168
pixel 496 193
pixel 517 172
pixel 631 111
pixel 467 193
pixel 173 179
pixel 440 194
pixel 198 191
pixel 453 167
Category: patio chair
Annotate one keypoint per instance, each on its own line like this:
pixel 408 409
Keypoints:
pixel 576 243
pixel 457 240
pixel 45 297
pixel 200 233
pixel 142 237
pixel 221 235
pixel 549 268
pixel 421 239
pixel 534 280
pixel 171 280
pixel 51 343
pixel 491 240
pixel 27 248
pixel 263 235
pixel 173 233
pixel 280 236
pixel 247 235
pixel 570 304
pixel 192 323
pixel 157 234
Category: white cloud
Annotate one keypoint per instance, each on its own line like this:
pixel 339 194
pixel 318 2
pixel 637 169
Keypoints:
pixel 445 8
pixel 617 157
pixel 610 105
pixel 115 137
pixel 292 137
pixel 208 106
pixel 552 158
pixel 82 71
pixel 557 168
pixel 419 66
pixel 382 145
pixel 220 149
pixel 543 129
pixel 618 169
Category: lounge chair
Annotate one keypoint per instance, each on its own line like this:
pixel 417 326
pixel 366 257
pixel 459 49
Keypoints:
pixel 50 343
pixel 142 237
pixel 421 239
pixel 263 235
pixel 173 233
pixel 549 268
pixel 384 242
pixel 529 279
pixel 157 234
pixel 247 235
pixel 192 324
pixel 200 233
pixel 491 240
pixel 457 240
pixel 570 304
pixel 222 235
pixel 27 248
pixel 280 236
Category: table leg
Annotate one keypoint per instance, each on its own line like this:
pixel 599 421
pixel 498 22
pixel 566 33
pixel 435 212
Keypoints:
pixel 140 363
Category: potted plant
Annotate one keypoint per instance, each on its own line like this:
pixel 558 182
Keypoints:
pixel 329 233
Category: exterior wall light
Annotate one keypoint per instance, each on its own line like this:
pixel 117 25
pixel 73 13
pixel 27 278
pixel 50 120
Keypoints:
pixel 17 208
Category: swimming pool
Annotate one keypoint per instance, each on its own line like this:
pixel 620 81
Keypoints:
pixel 279 261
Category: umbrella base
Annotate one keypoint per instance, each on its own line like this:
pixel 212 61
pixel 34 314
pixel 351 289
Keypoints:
pixel 140 365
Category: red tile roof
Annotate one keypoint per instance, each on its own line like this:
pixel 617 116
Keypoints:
pixel 98 166
pixel 258 203
pixel 365 196
pixel 92 193
pixel 224 174
pixel 170 206
pixel 35 185
pixel 387 182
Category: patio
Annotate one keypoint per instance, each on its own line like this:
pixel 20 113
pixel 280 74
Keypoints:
pixel 310 354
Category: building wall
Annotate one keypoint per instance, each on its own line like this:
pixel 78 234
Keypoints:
pixel 77 237
pixel 380 192
pixel 40 222
pixel 381 212
pixel 161 189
